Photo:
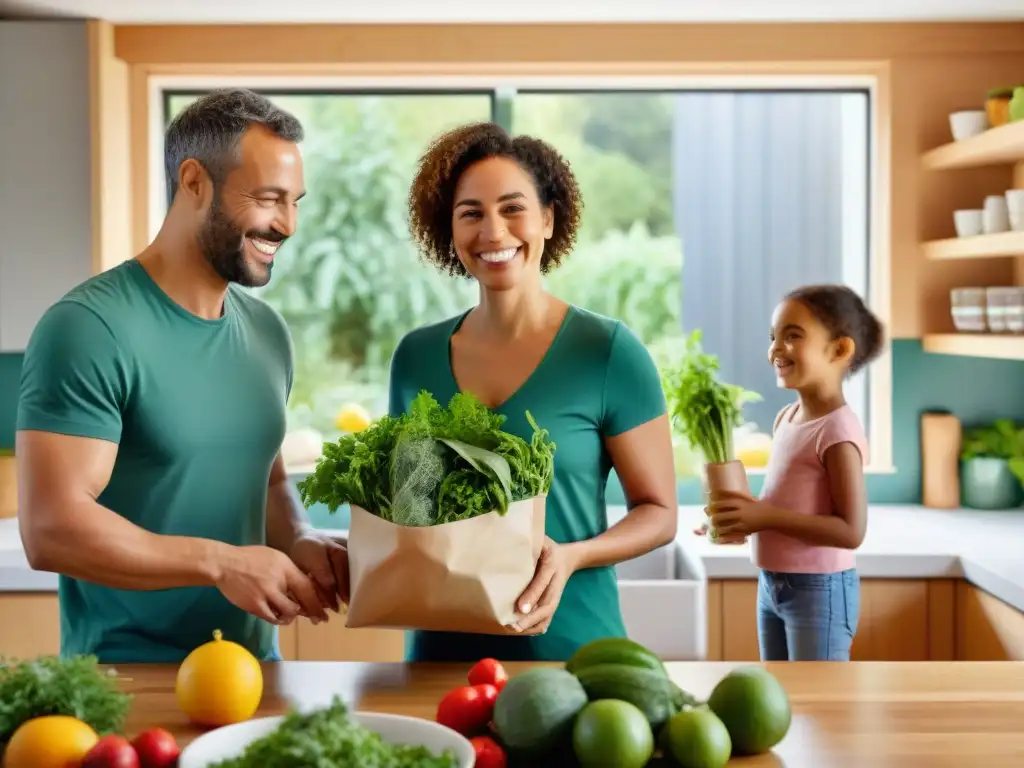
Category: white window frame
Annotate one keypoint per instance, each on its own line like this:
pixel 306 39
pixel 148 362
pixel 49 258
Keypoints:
pixel 879 374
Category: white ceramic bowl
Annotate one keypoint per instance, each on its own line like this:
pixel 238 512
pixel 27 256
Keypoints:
pixel 969 223
pixel 230 741
pixel 968 123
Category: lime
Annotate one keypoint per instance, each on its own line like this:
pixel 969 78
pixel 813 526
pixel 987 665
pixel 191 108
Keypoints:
pixel 609 733
pixel 754 707
pixel 698 739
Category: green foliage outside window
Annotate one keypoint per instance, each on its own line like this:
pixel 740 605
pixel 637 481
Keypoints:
pixel 350 283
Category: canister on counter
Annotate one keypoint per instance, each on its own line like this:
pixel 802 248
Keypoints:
pixel 941 437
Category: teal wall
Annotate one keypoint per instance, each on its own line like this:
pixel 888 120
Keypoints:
pixel 975 389
pixel 10 372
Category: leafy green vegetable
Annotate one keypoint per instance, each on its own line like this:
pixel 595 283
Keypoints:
pixel 1003 439
pixel 417 468
pixel 50 685
pixel 328 737
pixel 703 408
pixel 433 465
pixel 486 463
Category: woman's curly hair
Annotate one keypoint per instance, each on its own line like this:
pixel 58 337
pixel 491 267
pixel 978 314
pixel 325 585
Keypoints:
pixel 431 197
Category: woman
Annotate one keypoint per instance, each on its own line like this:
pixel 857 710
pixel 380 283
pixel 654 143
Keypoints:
pixel 505 211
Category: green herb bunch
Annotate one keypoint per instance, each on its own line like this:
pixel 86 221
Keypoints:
pixel 50 685
pixel 433 465
pixel 704 409
pixel 1003 439
pixel 329 737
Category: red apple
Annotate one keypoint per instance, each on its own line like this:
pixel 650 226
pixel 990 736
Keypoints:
pixel 111 752
pixel 157 748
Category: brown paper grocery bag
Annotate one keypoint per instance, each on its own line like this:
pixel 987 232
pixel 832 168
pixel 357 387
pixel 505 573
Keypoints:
pixel 456 577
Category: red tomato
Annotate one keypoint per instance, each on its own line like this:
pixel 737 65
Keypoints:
pixel 157 748
pixel 488 671
pixel 468 708
pixel 111 752
pixel 488 693
pixel 488 753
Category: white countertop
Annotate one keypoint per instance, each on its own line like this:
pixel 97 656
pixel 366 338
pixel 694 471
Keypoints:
pixel 902 542
pixel 906 542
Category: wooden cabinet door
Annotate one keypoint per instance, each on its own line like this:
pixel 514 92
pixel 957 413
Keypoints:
pixel 987 628
pixel 29 625
pixel 333 641
pixel 896 623
pixel 893 621
pixel 739 620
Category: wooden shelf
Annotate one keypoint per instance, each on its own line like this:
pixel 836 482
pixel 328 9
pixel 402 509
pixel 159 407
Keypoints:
pixel 978 247
pixel 996 146
pixel 993 345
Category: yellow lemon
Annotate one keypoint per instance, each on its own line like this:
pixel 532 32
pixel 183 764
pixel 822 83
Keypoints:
pixel 50 741
pixel 352 418
pixel 219 683
pixel 754 450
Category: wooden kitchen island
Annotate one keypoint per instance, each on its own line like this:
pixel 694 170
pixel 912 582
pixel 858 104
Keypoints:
pixel 856 715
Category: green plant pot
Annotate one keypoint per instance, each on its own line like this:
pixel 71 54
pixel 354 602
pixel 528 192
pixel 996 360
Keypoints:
pixel 988 483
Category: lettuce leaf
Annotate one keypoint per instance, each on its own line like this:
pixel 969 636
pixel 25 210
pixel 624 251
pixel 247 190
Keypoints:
pixel 457 462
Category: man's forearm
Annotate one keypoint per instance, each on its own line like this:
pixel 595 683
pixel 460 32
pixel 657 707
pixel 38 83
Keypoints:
pixel 820 530
pixel 95 544
pixel 286 518
pixel 645 527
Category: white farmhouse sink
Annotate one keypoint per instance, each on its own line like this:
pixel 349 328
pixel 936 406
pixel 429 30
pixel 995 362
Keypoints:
pixel 663 598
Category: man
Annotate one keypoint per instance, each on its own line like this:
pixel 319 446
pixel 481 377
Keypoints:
pixel 152 412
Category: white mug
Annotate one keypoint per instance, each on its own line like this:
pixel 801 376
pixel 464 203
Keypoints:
pixel 968 223
pixel 996 216
pixel 1015 205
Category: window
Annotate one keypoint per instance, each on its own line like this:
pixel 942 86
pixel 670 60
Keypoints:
pixel 701 209
pixel 350 283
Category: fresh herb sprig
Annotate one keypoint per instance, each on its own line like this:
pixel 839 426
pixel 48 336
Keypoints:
pixel 433 465
pixel 50 685
pixel 703 408
pixel 329 737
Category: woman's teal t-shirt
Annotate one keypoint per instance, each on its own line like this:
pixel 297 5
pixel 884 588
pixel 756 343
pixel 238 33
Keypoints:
pixel 596 381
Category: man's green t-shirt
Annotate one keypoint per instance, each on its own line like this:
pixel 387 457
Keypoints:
pixel 596 381
pixel 197 408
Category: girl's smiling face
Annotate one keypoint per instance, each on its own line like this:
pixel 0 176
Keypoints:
pixel 803 352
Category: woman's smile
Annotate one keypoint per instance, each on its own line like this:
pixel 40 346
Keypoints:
pixel 499 258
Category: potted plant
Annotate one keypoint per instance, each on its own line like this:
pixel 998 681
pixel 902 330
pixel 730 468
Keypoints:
pixel 992 466
pixel 707 411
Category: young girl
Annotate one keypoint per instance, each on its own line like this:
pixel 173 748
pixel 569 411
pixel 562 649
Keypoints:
pixel 812 513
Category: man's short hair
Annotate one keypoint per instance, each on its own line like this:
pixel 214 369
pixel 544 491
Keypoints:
pixel 210 128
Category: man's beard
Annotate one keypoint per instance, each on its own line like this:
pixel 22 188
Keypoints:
pixel 223 245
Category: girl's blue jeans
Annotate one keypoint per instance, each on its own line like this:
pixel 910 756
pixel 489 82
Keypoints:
pixel 807 616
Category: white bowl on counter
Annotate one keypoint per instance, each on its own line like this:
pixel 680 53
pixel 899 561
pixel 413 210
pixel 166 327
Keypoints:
pixel 232 740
